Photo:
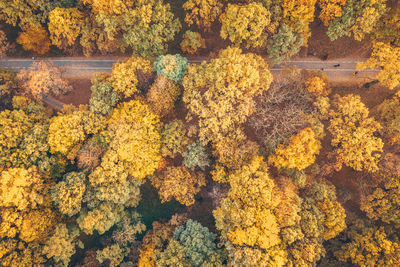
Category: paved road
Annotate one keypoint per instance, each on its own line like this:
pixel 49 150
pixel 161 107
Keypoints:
pixel 336 70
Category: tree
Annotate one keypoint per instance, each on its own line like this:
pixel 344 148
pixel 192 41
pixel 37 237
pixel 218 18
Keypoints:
pixel 354 131
pixel 134 130
pixel 383 202
pixel 65 26
pixel 178 183
pixel 8 82
pixel 68 131
pixel 298 15
pixel 284 44
pixel 220 93
pixel 388 115
pixel 35 39
pixel 124 75
pixel 197 240
pixel 173 138
pixel 192 42
pixel 195 156
pixel 68 193
pixel 25 14
pixel 202 12
pixel 43 78
pixel 245 24
pixel 110 181
pixel 113 253
pixel 173 255
pixel 5 46
pixel 234 150
pixel 359 17
pixel 145 25
pixel 369 245
pixel 101 218
pixel 330 9
pixel 162 95
pixel 61 245
pixel 299 153
pixel 171 66
pixel 317 86
pixel 103 99
pixel 245 216
pixel 387 58
pixel 23 189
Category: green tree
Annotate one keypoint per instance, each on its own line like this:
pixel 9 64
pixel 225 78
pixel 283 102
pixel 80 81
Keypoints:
pixel 172 66
pixel 197 240
pixel 194 156
pixel 103 99
pixel 173 138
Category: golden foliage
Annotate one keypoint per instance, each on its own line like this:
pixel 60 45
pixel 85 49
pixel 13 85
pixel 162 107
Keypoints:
pixel 245 217
pixel 65 26
pixel 245 24
pixel 202 12
pixel 387 58
pixel 23 189
pixel 388 114
pixel 135 137
pixel 334 218
pixel 220 93
pixel 37 225
pixel 124 75
pixel 299 153
pixel 317 86
pixel 298 14
pixel 145 259
pixel 330 9
pixel 35 39
pixel 178 183
pixel 354 131
pixel 109 6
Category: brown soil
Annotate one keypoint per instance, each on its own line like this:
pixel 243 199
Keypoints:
pixel 80 94
pixel 321 46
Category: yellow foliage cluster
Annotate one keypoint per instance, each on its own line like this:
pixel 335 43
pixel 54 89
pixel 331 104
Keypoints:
pixel 65 26
pixel 124 75
pixel 145 259
pixel 317 86
pixel 23 189
pixel 388 114
pixel 220 93
pixel 387 58
pixel 334 218
pixel 353 134
pixel 178 183
pixel 299 153
pixel 298 14
pixel 330 9
pixel 246 215
pixel 35 39
pixel 109 6
pixel 134 129
pixel 202 12
pixel 245 24
pixel 68 131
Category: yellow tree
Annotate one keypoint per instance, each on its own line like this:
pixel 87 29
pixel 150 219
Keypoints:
pixel 110 7
pixel 65 26
pixel 35 39
pixel 220 93
pixel 245 217
pixel 124 75
pixel 299 153
pixel 387 58
pixel 298 14
pixel 202 12
pixel 178 183
pixel 23 189
pixel 134 131
pixel 353 134
pixel 330 9
pixel 245 24
pixel 68 131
